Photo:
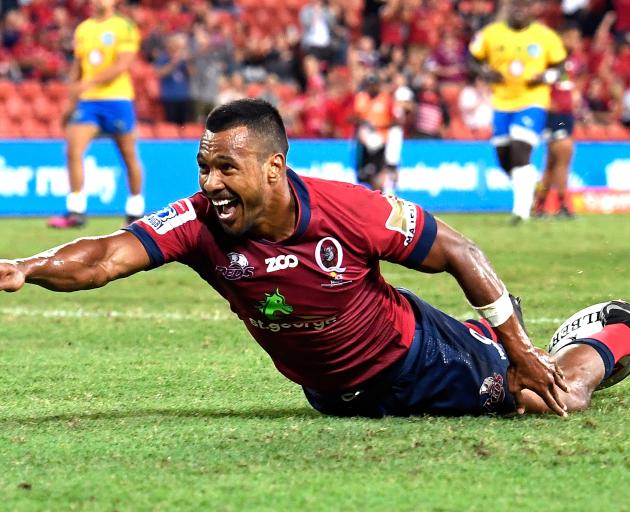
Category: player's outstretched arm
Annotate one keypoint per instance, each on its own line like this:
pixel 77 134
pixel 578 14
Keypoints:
pixel 83 264
pixel 530 368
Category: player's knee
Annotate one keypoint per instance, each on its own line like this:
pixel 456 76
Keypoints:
pixel 578 399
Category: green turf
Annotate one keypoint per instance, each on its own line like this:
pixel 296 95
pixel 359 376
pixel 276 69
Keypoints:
pixel 149 395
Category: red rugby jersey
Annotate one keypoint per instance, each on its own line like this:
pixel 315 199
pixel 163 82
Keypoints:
pixel 316 302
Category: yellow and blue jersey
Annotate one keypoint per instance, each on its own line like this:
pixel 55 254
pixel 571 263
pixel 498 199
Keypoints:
pixel 519 56
pixel 97 44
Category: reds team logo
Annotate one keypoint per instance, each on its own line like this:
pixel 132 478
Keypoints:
pixel 238 268
pixel 492 387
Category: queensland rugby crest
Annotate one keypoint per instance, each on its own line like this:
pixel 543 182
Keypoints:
pixel 329 258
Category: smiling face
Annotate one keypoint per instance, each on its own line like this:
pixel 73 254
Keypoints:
pixel 237 175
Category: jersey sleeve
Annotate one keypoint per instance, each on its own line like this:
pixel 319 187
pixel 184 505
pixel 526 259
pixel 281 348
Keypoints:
pixel 128 38
pixel 477 46
pixel 556 52
pixel 398 230
pixel 169 234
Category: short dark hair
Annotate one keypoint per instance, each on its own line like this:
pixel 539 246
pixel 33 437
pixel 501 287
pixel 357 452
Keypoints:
pixel 257 115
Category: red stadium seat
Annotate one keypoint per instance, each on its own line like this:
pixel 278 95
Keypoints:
pixel 459 131
pixel 145 131
pixel 166 131
pixel 30 89
pixel 618 132
pixel 17 109
pixel 579 132
pixel 596 132
pixel 32 129
pixel 44 109
pixel 191 131
pixel 56 91
pixel 7 90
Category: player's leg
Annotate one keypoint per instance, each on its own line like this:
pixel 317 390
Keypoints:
pixel 544 185
pixel 526 127
pixel 563 152
pixel 501 139
pixel 83 127
pixel 121 124
pixel 134 207
pixel 547 179
pixel 601 360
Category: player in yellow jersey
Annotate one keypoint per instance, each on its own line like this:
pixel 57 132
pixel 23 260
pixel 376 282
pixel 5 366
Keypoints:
pixel 101 101
pixel 520 58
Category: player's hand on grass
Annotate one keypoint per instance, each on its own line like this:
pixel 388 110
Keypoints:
pixel 11 277
pixel 539 372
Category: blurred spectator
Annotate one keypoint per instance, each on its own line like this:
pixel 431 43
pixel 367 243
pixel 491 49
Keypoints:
pixel 205 69
pixel 231 88
pixel 15 26
pixel 393 27
pixel 448 60
pixel 174 72
pixel 475 106
pixel 599 104
pixel 375 117
pixel 317 21
pixel 281 60
pixel 9 70
pixel 268 91
pixel 154 44
pixel 432 116
pixel 625 113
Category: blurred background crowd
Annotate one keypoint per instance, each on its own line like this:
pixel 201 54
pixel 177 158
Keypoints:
pixel 309 58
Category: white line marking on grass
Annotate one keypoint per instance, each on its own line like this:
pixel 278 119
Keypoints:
pixel 215 315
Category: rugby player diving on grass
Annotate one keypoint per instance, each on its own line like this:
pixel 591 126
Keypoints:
pixel 298 260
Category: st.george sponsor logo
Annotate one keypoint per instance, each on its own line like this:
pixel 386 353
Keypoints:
pixel 281 262
pixel 314 325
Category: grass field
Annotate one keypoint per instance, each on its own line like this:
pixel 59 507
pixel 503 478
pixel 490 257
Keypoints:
pixel 149 395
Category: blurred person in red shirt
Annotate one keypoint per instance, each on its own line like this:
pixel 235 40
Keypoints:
pixel 432 116
pixel 448 60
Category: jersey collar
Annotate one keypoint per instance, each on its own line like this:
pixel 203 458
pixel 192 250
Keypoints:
pixel 302 202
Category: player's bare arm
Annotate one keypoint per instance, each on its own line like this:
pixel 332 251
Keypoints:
pixel 123 63
pixel 530 368
pixel 480 68
pixel 83 264
pixel 550 76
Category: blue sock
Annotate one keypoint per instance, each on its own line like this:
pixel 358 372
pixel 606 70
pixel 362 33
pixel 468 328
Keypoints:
pixel 603 351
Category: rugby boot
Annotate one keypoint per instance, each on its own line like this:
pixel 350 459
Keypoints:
pixel 616 312
pixel 70 220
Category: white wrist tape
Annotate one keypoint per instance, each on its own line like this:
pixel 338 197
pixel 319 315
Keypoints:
pixel 497 312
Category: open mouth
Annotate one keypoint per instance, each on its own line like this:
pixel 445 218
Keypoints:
pixel 226 209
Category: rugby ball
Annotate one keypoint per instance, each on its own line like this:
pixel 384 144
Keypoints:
pixel 582 324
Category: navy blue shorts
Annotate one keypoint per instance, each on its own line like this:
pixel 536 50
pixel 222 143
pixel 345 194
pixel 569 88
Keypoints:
pixel 559 126
pixel 113 117
pixel 451 369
